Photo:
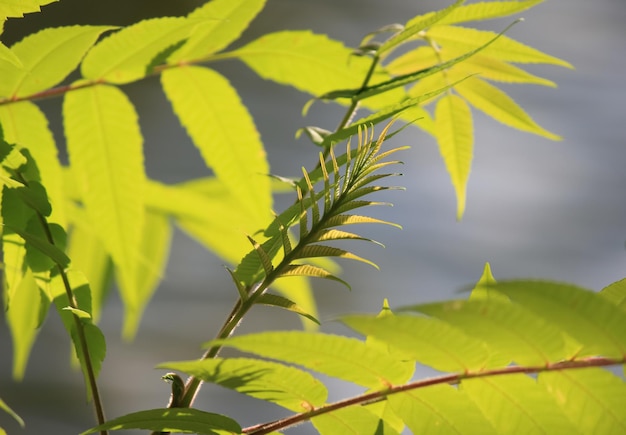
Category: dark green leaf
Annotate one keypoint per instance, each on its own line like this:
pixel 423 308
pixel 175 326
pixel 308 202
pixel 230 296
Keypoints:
pixel 282 302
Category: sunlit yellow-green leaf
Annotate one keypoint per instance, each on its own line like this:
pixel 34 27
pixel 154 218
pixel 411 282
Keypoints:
pixel 225 21
pixel 221 127
pixel 491 68
pixel 23 317
pixel 487 10
pixel 351 421
pixel 17 8
pixel 125 55
pixel 333 355
pixel 499 106
pixel 426 340
pixel 89 256
pixel 154 249
pixel 49 56
pixel 417 25
pixel 515 404
pixel 504 48
pixel 593 398
pixel 309 62
pixel 25 124
pixel 455 136
pixel 616 293
pixel 439 409
pixel 105 149
pixel 283 385
pixel 512 333
pixel 587 317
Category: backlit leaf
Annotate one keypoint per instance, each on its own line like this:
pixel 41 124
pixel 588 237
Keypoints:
pixel 285 386
pixel 455 136
pixel 282 302
pixel 439 409
pixel 616 293
pixel 426 340
pixel 309 62
pixel 487 10
pixel 179 420
pixel 333 355
pixel 17 8
pixel 105 150
pixel 221 127
pixel 26 125
pixel 504 48
pixel 515 404
pixel 587 317
pixel 49 56
pixel 500 106
pixel 123 57
pixel 350 421
pixel 593 398
pixel 225 21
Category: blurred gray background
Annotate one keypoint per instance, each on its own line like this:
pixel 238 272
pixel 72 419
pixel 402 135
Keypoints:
pixel 536 208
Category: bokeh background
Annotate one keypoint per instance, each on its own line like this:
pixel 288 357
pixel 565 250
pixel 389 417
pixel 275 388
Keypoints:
pixel 536 208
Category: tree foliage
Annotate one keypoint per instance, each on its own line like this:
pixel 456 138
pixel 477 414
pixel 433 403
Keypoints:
pixel 514 357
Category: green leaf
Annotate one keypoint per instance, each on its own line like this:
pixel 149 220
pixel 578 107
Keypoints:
pixel 586 316
pixel 13 9
pixel 225 22
pixel 298 289
pixel 310 271
pixel 592 398
pixel 426 340
pixel 504 48
pixel 511 332
pixel 123 57
pixel 616 293
pixel 455 136
pixel 34 195
pixel 90 257
pixel 12 413
pixel 285 386
pixel 48 57
pixel 416 25
pixel 23 316
pixel 44 246
pixel 497 104
pixel 105 149
pixel 309 62
pixel 342 357
pixel 156 237
pixel 96 345
pixel 78 312
pixel 221 127
pixel 439 409
pixel 486 11
pixel 183 420
pixel 310 251
pixel 39 260
pixel 491 68
pixel 350 421
pixel 515 404
pixel 282 302
pixel 25 124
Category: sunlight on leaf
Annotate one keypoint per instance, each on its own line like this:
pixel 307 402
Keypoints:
pixel 350 421
pixel 285 386
pixel 454 132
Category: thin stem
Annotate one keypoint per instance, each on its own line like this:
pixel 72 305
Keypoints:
pixel 451 379
pixel 82 338
pixel 193 384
